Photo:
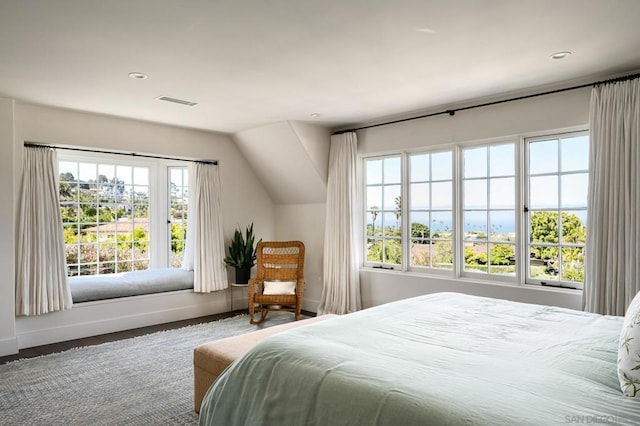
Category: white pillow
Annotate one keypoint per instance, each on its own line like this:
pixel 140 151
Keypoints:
pixel 279 287
pixel 629 351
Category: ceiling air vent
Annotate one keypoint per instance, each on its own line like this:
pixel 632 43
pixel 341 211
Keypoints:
pixel 176 100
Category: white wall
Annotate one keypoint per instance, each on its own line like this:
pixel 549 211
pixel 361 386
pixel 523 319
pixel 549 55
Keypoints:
pixel 540 114
pixel 316 140
pixel 386 286
pixel 305 222
pixel 241 193
pixel 292 159
pixel 561 111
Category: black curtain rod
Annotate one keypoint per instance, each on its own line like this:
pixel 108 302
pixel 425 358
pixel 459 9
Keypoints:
pixel 519 98
pixel 132 154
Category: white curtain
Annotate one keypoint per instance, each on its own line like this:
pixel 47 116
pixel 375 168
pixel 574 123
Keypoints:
pixel 41 276
pixel 204 251
pixel 612 275
pixel 341 284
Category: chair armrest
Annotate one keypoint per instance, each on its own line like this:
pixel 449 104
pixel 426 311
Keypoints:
pixel 256 286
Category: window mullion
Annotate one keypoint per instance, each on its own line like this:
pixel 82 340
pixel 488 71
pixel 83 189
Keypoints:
pixel 520 215
pixel 488 211
pixel 157 217
pixel 458 246
pixel 405 235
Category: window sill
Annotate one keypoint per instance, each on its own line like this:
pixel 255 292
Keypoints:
pixel 470 280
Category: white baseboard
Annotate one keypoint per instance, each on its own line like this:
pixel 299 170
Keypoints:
pixel 310 305
pixel 108 316
pixel 9 346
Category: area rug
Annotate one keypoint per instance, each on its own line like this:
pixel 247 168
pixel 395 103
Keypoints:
pixel 146 380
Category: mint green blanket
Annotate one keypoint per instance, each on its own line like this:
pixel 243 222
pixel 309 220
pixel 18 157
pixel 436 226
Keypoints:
pixel 438 359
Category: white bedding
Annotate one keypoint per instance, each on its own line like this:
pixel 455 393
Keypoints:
pixel 438 359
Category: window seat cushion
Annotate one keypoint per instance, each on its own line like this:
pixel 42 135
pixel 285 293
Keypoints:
pixel 98 287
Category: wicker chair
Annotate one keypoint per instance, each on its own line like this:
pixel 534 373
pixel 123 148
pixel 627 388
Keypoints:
pixel 277 261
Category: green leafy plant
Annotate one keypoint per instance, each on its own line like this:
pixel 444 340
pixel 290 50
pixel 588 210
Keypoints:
pixel 242 251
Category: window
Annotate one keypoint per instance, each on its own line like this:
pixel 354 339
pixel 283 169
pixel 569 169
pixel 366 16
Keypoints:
pixel 431 209
pixel 489 217
pixel 178 192
pixel 107 205
pixel 505 211
pixel 557 208
pixel 384 210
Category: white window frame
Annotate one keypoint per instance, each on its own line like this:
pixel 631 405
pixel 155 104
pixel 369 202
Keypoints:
pixel 185 171
pixel 159 223
pixel 521 218
pixel 527 211
pixel 461 210
pixel 365 212
pixel 406 197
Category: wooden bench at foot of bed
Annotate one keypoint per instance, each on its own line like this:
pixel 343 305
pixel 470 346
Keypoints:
pixel 211 359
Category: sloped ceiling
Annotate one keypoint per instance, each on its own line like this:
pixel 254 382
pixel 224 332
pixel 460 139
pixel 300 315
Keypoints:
pixel 290 159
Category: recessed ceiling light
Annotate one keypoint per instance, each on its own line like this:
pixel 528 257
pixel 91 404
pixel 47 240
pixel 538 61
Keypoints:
pixel 560 55
pixel 138 75
pixel 315 115
pixel 426 30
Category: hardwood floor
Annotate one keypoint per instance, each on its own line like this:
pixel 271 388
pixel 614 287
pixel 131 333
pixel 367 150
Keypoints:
pixel 126 334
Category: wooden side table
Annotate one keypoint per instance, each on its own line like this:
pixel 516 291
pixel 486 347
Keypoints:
pixel 233 286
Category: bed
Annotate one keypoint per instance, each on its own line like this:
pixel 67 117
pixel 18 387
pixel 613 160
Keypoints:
pixel 439 359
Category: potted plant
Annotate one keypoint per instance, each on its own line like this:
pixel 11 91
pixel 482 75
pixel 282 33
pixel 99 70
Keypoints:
pixel 242 254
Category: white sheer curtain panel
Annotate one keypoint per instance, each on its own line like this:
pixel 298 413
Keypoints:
pixel 612 275
pixel 341 284
pixel 41 276
pixel 204 251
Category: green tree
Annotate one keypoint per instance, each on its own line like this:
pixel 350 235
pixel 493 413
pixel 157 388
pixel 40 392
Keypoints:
pixel 544 229
pixel 502 254
pixel 443 254
pixel 70 236
pixel 419 230
pixel 107 214
pixel 473 258
pixel 69 214
pixel 393 231
pixel 67 177
pixel 392 252
pixel 573 274
pixel 178 234
pixel 88 213
pixel 398 211
pixel 374 215
pixel 573 230
pixel 140 238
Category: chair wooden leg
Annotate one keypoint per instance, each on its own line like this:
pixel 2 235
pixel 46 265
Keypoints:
pixel 263 315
